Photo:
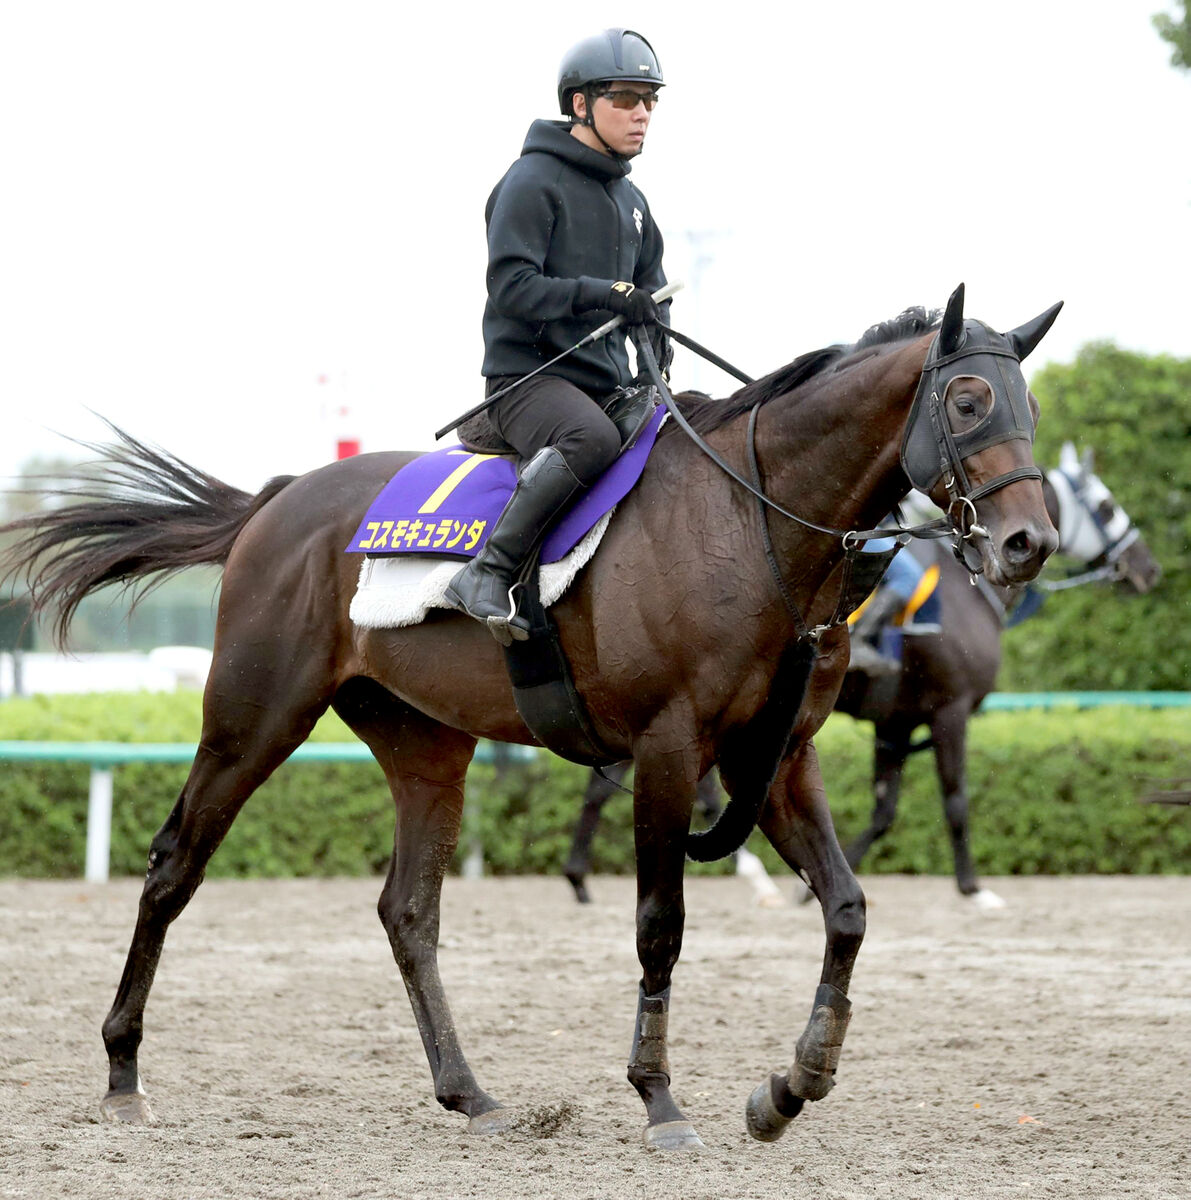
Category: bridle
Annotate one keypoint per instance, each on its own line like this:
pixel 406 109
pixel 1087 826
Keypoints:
pixel 930 450
pixel 1104 565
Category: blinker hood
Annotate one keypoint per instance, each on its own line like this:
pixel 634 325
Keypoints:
pixel 930 448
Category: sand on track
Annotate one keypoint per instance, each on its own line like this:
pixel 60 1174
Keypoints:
pixel 1040 1051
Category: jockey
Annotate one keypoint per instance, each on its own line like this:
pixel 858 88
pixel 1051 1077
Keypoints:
pixel 891 597
pixel 571 242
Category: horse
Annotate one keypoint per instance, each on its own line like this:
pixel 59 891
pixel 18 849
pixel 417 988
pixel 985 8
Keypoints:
pixel 945 677
pixel 601 785
pixel 698 634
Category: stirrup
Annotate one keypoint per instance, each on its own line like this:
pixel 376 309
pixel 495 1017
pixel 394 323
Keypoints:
pixel 510 629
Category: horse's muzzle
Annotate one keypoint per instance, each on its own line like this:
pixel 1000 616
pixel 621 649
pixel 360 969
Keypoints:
pixel 1016 556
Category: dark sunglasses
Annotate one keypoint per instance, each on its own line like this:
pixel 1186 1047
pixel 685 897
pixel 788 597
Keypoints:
pixel 627 98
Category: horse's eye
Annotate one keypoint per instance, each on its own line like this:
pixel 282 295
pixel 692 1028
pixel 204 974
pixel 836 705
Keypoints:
pixel 1106 510
pixel 965 406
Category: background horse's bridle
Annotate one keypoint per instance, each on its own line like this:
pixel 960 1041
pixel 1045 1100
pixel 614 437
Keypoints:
pixel 1105 565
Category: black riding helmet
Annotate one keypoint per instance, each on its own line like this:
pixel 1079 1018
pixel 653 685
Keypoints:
pixel 615 54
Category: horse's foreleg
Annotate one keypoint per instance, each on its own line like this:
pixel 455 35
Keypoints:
pixel 229 766
pixel 949 733
pixel 798 822
pixel 663 799
pixel 425 764
pixel 597 793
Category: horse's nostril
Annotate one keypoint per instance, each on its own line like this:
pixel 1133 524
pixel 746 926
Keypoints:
pixel 1022 547
pixel 1018 546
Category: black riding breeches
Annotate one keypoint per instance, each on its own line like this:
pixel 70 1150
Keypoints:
pixel 549 411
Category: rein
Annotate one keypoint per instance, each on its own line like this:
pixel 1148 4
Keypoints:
pixel 925 459
pixel 940 527
pixel 865 568
pixel 1110 570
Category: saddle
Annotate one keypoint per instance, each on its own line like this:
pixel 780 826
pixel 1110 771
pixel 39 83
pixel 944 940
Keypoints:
pixel 442 506
pixel 444 503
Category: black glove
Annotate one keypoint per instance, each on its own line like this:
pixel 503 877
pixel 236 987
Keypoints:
pixel 635 304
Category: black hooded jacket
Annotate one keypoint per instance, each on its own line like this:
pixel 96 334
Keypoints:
pixel 564 224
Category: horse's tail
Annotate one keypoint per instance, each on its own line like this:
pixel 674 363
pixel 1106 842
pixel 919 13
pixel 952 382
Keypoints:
pixel 140 516
pixel 750 758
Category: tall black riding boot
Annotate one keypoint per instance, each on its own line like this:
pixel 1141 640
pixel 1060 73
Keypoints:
pixel 484 588
pixel 865 635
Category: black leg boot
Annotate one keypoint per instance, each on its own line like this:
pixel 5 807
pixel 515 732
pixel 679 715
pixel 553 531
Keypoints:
pixel 484 588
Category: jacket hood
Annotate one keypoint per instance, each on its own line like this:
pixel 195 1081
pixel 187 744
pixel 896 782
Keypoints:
pixel 554 137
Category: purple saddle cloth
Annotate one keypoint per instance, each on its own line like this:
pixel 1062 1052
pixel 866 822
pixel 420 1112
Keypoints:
pixel 445 503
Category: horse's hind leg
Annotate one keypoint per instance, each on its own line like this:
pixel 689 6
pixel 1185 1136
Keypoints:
pixel 949 733
pixel 797 820
pixel 597 793
pixel 245 738
pixel 891 746
pixel 426 766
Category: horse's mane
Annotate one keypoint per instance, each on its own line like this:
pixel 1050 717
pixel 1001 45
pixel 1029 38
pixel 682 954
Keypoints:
pixel 705 414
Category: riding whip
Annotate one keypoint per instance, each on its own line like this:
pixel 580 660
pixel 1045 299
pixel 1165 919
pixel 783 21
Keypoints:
pixel 594 336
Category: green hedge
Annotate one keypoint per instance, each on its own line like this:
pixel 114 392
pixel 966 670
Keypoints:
pixel 1054 792
pixel 1134 412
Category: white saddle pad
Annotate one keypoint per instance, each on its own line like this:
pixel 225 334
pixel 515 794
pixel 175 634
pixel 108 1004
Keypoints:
pixel 400 589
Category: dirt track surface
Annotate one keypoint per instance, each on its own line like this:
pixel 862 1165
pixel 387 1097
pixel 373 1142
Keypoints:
pixel 1040 1051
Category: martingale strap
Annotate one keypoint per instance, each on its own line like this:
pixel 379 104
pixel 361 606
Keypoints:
pixel 863 569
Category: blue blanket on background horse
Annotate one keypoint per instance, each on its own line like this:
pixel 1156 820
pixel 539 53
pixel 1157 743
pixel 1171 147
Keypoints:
pixel 445 503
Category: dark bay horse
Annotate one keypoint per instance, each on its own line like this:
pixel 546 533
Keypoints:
pixel 687 648
pixel 946 676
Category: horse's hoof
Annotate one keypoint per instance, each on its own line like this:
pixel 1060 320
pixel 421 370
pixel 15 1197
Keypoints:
pixel 495 1120
pixel 127 1108
pixel 579 886
pixel 672 1135
pixel 986 900
pixel 762 1117
pixel 772 899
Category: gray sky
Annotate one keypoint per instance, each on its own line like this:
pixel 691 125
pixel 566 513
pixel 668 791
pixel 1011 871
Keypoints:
pixel 209 207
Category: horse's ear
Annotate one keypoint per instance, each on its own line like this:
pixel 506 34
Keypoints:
pixel 1025 337
pixel 1087 460
pixel 1069 457
pixel 951 332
